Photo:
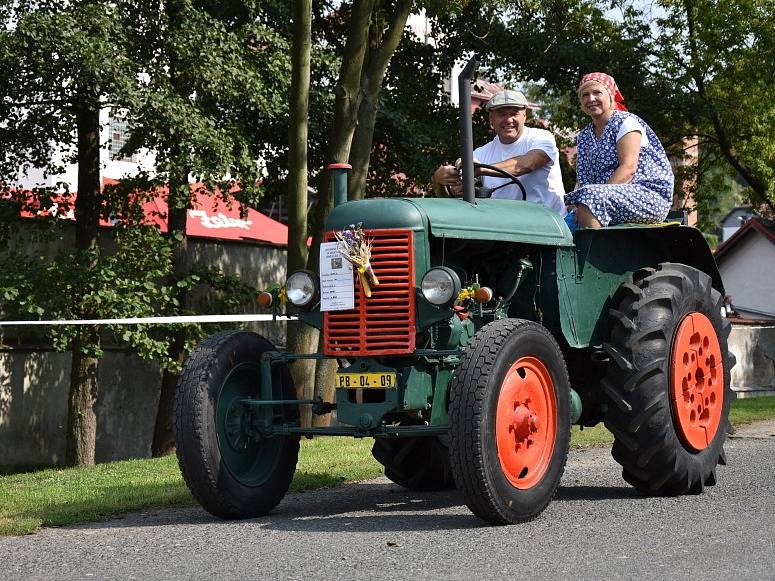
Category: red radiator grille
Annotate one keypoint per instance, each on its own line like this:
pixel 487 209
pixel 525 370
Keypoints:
pixel 384 323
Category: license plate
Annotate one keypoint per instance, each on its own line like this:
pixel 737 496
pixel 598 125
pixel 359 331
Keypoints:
pixel 371 380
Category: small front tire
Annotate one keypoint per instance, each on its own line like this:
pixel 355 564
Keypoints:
pixel 233 473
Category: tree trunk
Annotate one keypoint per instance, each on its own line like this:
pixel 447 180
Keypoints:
pixel 82 402
pixel 297 136
pixel 325 378
pixel 81 434
pixel 348 98
pixel 301 339
pixel 163 432
pixel 177 209
pixel 383 45
pixel 179 192
pixel 353 127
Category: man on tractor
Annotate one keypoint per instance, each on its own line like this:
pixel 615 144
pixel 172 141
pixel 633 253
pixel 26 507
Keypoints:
pixel 525 152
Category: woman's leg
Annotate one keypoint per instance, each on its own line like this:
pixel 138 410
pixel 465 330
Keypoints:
pixel 591 203
pixel 585 218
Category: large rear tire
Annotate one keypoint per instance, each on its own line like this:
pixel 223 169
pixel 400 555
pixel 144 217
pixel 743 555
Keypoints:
pixel 420 464
pixel 232 472
pixel 668 380
pixel 509 421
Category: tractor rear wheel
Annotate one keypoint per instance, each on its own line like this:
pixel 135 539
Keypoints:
pixel 415 463
pixel 668 380
pixel 230 469
pixel 509 421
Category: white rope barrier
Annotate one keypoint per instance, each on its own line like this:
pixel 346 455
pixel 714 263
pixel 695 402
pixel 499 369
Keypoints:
pixel 180 319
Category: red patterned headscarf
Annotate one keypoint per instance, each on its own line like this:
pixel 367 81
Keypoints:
pixel 610 85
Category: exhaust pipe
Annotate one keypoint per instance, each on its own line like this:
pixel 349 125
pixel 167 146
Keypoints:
pixel 339 177
pixel 466 131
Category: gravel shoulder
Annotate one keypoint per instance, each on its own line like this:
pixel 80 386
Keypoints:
pixel 763 429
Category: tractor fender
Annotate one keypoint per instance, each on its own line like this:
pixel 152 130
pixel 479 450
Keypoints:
pixel 604 259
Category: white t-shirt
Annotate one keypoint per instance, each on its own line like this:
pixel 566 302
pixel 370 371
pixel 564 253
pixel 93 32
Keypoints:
pixel 628 126
pixel 544 185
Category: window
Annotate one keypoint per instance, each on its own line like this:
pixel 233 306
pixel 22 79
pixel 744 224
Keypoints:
pixel 119 134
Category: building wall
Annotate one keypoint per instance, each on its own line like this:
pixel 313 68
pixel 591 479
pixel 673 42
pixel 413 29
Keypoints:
pixel 33 406
pixel 685 185
pixel 34 380
pixel 748 274
pixel 34 386
pixel 754 347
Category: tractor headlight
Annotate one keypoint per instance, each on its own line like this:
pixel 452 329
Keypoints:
pixel 440 286
pixel 301 288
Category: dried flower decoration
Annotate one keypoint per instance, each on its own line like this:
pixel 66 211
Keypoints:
pixel 356 249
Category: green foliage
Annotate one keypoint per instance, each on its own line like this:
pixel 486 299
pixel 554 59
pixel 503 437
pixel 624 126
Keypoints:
pixel 54 53
pixel 55 57
pixel 68 286
pixel 714 61
pixel 215 79
pixel 200 83
pixel 416 127
pixel 328 33
pixel 718 191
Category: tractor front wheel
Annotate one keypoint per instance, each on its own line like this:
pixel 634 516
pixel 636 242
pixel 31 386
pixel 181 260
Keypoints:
pixel 509 421
pixel 231 469
pixel 668 380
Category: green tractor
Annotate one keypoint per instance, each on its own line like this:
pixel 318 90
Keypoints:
pixel 491 329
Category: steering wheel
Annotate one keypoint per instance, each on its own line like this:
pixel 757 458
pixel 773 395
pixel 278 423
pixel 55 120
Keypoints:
pixel 511 177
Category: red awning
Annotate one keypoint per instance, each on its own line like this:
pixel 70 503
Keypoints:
pixel 209 217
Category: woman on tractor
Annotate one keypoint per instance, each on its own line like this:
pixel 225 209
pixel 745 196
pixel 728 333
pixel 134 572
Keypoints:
pixel 622 171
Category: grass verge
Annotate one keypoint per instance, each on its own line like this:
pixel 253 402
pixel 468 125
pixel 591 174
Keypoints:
pixel 742 411
pixel 745 411
pixel 63 496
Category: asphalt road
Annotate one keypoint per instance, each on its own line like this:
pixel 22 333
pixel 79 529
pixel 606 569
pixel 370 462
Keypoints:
pixel 596 528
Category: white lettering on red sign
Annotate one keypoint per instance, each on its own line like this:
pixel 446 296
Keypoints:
pixel 220 220
pixel 56 212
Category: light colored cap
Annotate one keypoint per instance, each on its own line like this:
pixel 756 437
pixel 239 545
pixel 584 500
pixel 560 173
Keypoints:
pixel 507 98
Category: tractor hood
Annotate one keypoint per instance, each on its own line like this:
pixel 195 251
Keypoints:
pixel 503 220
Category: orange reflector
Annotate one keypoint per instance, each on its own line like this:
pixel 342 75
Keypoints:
pixel 483 295
pixel 264 299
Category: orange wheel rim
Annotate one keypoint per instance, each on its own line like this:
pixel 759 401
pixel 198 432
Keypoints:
pixel 696 381
pixel 526 422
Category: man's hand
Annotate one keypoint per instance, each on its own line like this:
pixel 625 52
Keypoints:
pixel 459 166
pixel 447 179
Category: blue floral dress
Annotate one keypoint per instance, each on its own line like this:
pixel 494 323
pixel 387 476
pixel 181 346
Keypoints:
pixel 646 199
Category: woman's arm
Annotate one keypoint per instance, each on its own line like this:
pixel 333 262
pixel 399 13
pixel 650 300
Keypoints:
pixel 628 150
